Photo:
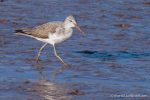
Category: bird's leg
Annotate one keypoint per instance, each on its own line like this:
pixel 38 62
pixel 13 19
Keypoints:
pixel 59 56
pixel 39 53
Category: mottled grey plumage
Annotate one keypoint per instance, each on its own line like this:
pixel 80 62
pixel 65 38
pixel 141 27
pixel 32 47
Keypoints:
pixel 41 31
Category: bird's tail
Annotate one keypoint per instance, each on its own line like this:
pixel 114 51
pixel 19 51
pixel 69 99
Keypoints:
pixel 23 31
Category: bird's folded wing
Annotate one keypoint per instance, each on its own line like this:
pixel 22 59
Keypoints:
pixel 42 31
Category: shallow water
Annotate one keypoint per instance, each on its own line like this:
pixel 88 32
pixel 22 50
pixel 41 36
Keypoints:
pixel 113 59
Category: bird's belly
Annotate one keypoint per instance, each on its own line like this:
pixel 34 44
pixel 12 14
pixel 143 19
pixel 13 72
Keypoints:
pixel 52 40
pixel 58 38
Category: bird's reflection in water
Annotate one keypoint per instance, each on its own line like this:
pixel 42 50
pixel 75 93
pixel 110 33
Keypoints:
pixel 60 71
pixel 48 90
pixel 40 68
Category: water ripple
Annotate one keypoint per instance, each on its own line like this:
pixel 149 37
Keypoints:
pixel 111 55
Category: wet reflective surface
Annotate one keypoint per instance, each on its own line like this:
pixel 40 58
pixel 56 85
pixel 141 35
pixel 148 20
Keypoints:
pixel 113 58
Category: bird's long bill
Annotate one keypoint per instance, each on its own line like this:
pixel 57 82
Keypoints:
pixel 79 29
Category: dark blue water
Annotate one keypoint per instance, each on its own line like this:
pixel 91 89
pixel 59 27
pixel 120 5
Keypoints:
pixel 112 60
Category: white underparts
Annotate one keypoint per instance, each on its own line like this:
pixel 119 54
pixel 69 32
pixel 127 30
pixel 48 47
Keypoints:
pixel 60 35
pixel 57 37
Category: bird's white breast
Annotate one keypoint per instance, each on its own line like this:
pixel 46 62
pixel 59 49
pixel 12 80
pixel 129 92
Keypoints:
pixel 59 36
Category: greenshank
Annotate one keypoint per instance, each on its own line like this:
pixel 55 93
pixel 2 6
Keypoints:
pixel 51 33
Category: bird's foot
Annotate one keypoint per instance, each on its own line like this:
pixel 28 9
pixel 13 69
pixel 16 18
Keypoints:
pixel 66 65
pixel 37 60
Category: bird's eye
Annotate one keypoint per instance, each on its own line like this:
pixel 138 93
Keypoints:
pixel 70 20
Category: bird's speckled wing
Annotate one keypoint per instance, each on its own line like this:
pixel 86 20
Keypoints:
pixel 40 31
pixel 43 30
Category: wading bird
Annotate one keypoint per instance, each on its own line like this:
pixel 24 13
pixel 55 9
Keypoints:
pixel 51 33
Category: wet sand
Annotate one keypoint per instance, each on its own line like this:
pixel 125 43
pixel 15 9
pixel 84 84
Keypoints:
pixel 112 60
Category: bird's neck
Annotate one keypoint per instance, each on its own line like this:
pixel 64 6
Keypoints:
pixel 68 33
pixel 67 25
pixel 68 30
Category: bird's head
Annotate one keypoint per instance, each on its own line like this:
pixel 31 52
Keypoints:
pixel 70 22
